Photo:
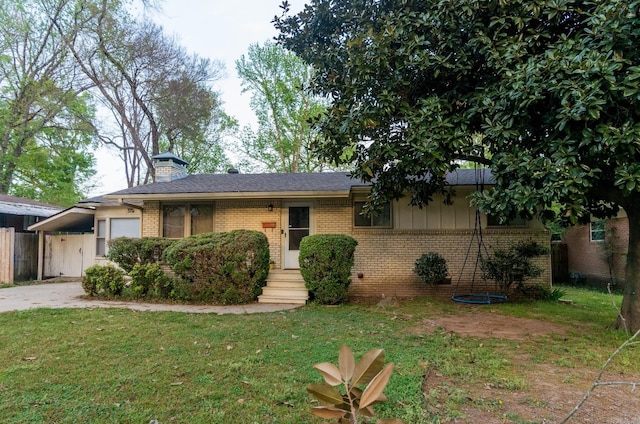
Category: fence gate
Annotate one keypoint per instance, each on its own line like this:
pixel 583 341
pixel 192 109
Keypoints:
pixel 18 256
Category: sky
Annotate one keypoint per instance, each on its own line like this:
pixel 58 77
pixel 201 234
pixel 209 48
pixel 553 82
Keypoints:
pixel 216 29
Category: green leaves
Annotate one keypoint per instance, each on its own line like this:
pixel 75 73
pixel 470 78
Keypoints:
pixel 367 372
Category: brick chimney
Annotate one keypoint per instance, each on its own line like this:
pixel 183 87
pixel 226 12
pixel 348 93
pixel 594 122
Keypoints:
pixel 169 167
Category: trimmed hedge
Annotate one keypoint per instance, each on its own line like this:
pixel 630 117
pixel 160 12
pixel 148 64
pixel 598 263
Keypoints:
pixel 325 264
pixel 226 268
pixel 128 252
pixel 149 280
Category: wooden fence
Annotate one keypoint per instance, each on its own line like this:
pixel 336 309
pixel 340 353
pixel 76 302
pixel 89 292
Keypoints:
pixel 18 256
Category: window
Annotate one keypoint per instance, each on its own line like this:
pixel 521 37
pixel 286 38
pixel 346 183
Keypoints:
pixel 101 233
pixel 115 227
pixel 173 221
pixel 124 227
pixel 381 220
pixel 597 230
pixel 177 223
pixel 201 219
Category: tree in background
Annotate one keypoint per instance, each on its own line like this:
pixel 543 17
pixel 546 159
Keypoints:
pixel 158 94
pixel 45 114
pixel 551 86
pixel 276 79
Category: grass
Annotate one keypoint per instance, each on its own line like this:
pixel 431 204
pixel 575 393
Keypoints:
pixel 112 365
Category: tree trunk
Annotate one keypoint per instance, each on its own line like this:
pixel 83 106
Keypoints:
pixel 629 318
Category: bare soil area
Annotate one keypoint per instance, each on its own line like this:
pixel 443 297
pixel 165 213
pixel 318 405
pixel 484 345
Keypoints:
pixel 551 391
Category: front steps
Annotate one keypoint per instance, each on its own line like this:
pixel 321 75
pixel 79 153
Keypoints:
pixel 284 286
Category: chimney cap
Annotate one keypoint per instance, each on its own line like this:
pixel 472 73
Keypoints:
pixel 233 171
pixel 167 156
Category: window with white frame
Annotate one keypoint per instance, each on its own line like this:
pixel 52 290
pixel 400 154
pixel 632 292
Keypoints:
pixel 381 220
pixel 101 237
pixel 596 230
pixel 114 227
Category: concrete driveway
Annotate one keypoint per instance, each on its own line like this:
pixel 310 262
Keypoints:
pixel 69 295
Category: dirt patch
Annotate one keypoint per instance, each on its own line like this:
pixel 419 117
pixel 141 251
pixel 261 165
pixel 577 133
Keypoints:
pixel 550 392
pixel 489 324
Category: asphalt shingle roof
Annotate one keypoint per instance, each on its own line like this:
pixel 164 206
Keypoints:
pixel 274 183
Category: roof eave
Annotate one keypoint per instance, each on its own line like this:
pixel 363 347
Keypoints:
pixel 233 195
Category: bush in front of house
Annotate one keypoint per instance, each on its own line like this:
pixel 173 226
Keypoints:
pixel 226 268
pixel 150 280
pixel 104 280
pixel 431 268
pixel 511 267
pixel 127 252
pixel 325 264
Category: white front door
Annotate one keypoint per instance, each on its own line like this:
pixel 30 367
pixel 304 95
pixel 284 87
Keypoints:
pixel 297 220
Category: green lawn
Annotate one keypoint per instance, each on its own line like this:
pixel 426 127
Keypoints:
pixel 119 366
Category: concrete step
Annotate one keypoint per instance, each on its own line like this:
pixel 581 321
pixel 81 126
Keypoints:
pixel 285 291
pixel 284 286
pixel 278 299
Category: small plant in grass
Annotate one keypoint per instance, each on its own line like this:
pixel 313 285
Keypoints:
pixel 355 402
pixel 431 268
pixel 107 279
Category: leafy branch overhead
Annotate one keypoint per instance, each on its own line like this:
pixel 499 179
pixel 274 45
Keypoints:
pixel 551 89
pixel 369 371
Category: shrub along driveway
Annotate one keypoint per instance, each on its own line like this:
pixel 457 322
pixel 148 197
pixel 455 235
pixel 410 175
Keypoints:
pixel 71 295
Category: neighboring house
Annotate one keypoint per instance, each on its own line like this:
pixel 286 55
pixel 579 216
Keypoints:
pixel 287 207
pixel 19 246
pixel 596 253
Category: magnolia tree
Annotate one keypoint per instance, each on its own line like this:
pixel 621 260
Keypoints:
pixel 545 93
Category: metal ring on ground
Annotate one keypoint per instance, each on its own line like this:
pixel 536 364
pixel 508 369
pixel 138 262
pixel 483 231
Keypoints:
pixel 479 298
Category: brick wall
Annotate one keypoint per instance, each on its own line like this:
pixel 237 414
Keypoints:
pixel 151 219
pixel 586 256
pixel 385 259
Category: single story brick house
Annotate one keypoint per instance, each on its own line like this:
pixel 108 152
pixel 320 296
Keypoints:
pixel 287 207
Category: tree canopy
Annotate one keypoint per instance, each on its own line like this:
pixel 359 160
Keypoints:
pixel 550 87
pixel 277 79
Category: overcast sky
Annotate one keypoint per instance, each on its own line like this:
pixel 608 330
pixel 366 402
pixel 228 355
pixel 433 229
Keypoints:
pixel 216 29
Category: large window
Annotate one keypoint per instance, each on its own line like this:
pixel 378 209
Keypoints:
pixel 186 219
pixel 597 230
pixel 381 220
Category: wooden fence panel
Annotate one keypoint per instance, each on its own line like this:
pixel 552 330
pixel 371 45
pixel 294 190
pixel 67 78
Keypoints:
pixel 25 257
pixel 7 241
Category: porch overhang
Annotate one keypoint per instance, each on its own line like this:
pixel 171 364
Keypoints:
pixel 73 219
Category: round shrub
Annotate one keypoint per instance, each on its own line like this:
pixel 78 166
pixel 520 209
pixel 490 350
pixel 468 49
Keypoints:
pixel 226 268
pixel 431 268
pixel 103 280
pixel 127 252
pixel 325 264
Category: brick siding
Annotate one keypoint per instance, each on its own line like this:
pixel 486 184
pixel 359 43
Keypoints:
pixel 586 256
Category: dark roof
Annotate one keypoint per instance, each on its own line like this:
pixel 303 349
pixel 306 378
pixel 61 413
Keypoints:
pixel 170 156
pixel 274 183
pixel 12 205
